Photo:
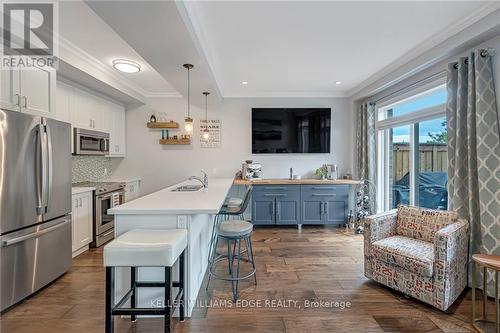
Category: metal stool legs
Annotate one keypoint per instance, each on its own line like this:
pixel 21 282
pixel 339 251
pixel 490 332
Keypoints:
pixel 234 252
pixel 117 309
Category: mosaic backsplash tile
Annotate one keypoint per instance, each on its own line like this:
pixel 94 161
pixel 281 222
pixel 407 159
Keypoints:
pixel 92 168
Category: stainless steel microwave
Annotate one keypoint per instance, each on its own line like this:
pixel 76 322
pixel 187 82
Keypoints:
pixel 89 142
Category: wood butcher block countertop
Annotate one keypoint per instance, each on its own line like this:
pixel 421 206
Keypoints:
pixel 304 181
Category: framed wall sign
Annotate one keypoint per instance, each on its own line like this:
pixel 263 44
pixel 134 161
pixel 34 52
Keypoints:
pixel 214 129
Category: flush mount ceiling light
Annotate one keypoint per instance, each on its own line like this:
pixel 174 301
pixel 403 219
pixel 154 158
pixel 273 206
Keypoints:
pixel 244 83
pixel 206 132
pixel 188 121
pixel 338 82
pixel 126 66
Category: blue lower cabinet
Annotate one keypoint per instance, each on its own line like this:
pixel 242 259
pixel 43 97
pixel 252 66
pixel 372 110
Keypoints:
pixel 305 204
pixel 288 210
pixel 263 210
pixel 312 211
pixel 335 212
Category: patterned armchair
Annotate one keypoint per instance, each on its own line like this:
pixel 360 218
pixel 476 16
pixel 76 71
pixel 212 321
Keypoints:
pixel 420 252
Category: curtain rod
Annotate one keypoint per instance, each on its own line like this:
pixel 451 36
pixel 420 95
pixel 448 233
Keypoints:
pixel 484 53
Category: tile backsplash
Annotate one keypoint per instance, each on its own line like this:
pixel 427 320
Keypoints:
pixel 92 168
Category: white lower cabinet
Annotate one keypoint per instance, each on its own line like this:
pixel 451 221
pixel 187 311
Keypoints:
pixel 82 222
pixel 132 190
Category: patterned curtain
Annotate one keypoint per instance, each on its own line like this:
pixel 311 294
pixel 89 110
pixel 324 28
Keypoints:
pixel 474 151
pixel 366 161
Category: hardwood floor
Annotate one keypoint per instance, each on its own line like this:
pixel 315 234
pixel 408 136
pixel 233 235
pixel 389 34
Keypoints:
pixel 317 264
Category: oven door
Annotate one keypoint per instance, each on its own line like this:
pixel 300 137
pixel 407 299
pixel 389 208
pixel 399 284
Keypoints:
pixel 103 220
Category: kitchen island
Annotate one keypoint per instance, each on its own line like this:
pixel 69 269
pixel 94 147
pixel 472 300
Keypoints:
pixel 170 209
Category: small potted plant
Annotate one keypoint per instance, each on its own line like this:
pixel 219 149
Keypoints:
pixel 322 171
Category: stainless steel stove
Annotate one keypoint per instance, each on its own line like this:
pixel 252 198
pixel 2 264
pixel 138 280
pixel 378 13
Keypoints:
pixel 106 196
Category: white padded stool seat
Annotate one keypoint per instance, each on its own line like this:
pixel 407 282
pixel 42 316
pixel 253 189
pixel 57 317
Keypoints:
pixel 146 248
pixel 234 228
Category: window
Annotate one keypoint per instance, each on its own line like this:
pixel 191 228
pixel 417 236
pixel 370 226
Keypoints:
pixel 412 159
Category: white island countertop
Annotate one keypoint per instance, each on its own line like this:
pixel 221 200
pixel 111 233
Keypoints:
pixel 166 201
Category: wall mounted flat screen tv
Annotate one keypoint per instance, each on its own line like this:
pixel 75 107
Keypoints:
pixel 291 130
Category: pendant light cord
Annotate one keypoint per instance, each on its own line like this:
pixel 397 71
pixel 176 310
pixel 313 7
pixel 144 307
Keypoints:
pixel 206 109
pixel 189 93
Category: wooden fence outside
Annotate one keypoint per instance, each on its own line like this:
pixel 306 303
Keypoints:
pixel 433 158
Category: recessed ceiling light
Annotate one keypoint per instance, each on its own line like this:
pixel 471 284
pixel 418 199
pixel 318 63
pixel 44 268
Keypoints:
pixel 126 66
pixel 244 83
pixel 338 82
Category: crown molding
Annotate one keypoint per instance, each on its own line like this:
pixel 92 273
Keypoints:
pixel 424 47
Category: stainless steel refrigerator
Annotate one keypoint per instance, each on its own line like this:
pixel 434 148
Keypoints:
pixel 35 203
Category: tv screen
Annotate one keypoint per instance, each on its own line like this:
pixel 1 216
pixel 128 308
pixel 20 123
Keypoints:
pixel 290 130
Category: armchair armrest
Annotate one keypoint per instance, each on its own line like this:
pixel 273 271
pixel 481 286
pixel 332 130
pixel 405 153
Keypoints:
pixel 451 252
pixel 380 226
pixel 377 227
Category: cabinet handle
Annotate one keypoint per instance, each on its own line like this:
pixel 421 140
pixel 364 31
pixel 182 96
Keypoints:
pixel 274 188
pixel 275 195
pixel 18 100
pixel 273 210
pixel 81 203
pixel 323 194
pixel 325 207
pixel 25 101
pixel 90 123
pixel 324 188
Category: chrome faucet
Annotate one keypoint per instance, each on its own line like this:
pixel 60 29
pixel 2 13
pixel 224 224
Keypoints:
pixel 203 181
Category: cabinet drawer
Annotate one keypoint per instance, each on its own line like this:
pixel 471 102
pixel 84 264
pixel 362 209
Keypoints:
pixel 279 195
pixel 324 188
pixel 275 188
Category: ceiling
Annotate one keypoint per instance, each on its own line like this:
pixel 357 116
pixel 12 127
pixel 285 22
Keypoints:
pixel 300 49
pixel 79 25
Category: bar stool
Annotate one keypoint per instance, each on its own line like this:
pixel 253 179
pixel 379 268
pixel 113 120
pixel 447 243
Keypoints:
pixel 485 261
pixel 230 211
pixel 232 232
pixel 145 248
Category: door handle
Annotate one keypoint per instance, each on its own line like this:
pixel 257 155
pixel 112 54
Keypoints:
pixel 33 235
pixel 41 170
pixel 49 165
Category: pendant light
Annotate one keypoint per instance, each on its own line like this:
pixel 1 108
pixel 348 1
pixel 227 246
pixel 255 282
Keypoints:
pixel 188 121
pixel 206 133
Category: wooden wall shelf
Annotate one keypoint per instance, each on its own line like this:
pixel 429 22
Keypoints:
pixel 175 141
pixel 163 124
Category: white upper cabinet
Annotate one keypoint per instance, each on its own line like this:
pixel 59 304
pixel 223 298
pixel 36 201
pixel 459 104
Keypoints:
pixel 37 86
pixel 115 120
pixel 64 102
pixel 29 90
pixel 87 112
pixel 10 97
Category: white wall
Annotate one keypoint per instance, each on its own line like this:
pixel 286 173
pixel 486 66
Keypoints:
pixel 159 166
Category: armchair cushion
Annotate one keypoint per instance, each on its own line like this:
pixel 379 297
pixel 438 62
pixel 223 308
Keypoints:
pixel 422 224
pixel 410 254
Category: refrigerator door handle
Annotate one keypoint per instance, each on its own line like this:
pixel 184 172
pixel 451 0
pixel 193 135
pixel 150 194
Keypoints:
pixel 48 188
pixel 34 234
pixel 40 169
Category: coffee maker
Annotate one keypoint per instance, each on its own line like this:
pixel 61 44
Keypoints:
pixel 251 170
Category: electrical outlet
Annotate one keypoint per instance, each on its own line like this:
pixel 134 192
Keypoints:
pixel 182 222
